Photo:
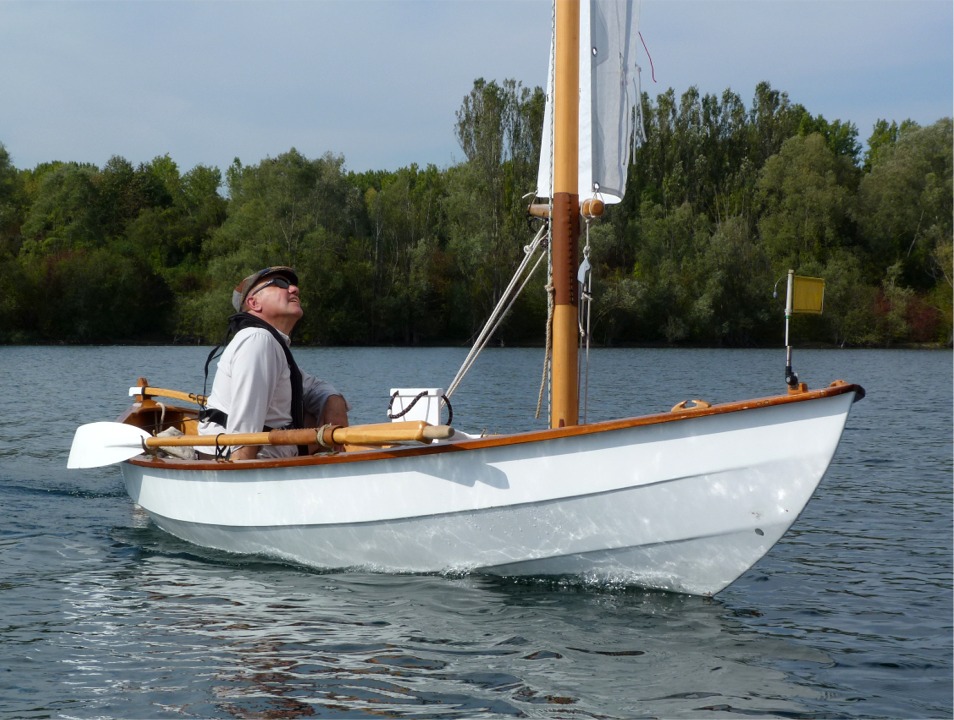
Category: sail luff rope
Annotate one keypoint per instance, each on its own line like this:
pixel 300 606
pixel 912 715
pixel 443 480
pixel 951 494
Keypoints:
pixel 548 343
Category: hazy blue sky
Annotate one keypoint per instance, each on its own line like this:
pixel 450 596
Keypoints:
pixel 379 81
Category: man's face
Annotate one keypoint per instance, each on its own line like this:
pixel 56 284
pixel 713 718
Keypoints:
pixel 277 301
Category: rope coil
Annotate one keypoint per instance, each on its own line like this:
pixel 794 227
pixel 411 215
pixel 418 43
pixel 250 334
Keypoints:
pixel 423 393
pixel 320 437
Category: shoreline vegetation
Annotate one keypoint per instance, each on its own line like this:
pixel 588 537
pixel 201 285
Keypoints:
pixel 722 199
pixel 798 346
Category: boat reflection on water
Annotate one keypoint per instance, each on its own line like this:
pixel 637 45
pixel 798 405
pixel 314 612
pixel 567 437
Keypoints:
pixel 193 631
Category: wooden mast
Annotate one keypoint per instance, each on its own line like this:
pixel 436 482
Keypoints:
pixel 565 221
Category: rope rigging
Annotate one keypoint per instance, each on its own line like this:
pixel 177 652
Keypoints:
pixel 533 257
pixel 585 278
pixel 591 208
pixel 509 296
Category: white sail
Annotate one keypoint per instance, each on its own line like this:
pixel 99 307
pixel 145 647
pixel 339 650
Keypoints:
pixel 609 81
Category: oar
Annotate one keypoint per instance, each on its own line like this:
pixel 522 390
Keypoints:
pixel 150 392
pixel 104 443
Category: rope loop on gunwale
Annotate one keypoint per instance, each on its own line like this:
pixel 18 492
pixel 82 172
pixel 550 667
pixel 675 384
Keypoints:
pixel 423 393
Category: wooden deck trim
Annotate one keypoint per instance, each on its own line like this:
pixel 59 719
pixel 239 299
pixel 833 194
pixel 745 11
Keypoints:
pixel 836 388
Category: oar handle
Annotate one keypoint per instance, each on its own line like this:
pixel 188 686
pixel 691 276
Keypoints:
pixel 384 433
pixel 329 435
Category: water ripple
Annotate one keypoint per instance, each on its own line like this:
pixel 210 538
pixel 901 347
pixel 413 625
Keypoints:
pixel 850 616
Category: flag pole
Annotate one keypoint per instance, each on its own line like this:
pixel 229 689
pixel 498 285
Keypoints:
pixel 791 378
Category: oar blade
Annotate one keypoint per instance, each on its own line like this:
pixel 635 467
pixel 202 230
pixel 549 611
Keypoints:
pixel 104 443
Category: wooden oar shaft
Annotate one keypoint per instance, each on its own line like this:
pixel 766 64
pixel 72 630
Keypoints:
pixel 149 392
pixel 378 434
pixel 274 437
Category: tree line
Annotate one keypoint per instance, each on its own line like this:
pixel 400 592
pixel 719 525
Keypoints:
pixel 722 199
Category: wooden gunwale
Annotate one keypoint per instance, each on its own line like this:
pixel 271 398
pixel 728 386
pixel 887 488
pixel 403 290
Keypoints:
pixel 836 388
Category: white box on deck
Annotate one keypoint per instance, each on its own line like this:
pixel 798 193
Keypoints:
pixel 427 408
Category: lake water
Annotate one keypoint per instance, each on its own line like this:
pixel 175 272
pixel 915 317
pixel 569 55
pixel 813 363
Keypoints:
pixel 849 616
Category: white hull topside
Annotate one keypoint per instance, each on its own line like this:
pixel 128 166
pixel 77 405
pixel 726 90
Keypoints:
pixel 685 505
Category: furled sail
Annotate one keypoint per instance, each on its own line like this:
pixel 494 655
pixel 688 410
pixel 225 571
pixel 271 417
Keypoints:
pixel 609 91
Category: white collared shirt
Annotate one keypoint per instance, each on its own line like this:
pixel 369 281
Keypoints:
pixel 252 386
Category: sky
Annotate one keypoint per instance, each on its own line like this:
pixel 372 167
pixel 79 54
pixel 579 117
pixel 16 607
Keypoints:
pixel 379 81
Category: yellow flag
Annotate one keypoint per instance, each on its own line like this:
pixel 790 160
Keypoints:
pixel 808 295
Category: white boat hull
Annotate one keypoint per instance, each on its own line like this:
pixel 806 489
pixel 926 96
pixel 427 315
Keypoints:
pixel 685 505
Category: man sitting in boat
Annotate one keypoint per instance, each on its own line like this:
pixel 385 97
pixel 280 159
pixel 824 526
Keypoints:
pixel 258 385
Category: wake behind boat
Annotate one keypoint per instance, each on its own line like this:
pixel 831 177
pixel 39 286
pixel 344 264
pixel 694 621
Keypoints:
pixel 684 501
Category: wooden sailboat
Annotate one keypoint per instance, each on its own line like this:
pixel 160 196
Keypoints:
pixel 686 500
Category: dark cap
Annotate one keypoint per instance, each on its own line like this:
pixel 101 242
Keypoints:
pixel 242 290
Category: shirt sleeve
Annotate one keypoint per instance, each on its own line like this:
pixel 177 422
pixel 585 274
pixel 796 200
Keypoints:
pixel 316 393
pixel 256 367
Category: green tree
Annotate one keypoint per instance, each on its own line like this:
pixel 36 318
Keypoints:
pixel 121 197
pixel 850 302
pixel 498 128
pixel 12 202
pixel 64 213
pixel 731 303
pixel 905 203
pixel 883 136
pixel 407 217
pixel 721 200
pixel 292 211
pixel 619 295
pixel 841 137
pixel 772 120
pixel 805 195
pixel 942 297
pixel 668 269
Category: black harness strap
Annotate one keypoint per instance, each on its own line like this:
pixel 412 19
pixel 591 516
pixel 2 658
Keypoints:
pixel 238 322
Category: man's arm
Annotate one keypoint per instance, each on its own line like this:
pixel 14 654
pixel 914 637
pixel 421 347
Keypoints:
pixel 245 452
pixel 323 403
pixel 335 411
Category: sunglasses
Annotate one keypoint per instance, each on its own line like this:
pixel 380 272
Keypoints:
pixel 279 282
